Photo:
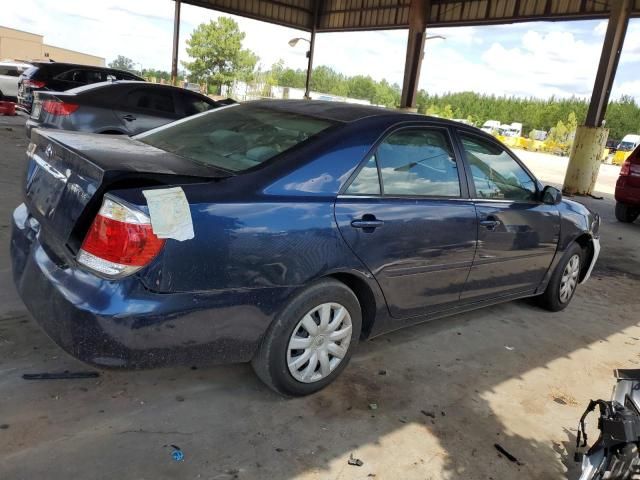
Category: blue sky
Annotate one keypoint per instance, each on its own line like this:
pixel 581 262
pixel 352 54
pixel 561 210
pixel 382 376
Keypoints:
pixel 533 59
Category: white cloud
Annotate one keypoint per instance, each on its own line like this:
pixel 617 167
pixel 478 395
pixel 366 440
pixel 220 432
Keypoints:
pixel 540 65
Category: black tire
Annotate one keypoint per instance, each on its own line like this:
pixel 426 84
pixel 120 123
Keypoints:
pixel 550 299
pixel 270 361
pixel 626 213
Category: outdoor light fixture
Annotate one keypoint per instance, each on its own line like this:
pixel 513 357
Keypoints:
pixel 292 43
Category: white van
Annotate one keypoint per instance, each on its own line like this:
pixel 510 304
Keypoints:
pixel 490 125
pixel 10 71
pixel 629 142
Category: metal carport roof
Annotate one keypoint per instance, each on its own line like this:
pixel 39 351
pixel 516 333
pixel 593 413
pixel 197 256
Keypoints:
pixel 349 15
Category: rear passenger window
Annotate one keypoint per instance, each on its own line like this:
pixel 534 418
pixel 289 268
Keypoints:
pixel 9 71
pixel 92 76
pixel 72 76
pixel 418 162
pixel 151 100
pixel 367 182
pixel 193 105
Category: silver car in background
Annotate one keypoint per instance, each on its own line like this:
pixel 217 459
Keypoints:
pixel 116 107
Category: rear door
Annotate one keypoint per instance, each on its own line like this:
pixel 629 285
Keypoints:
pixel 407 216
pixel 145 107
pixel 517 233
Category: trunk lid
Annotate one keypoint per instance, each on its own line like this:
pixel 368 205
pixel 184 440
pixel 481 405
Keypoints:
pixel 69 172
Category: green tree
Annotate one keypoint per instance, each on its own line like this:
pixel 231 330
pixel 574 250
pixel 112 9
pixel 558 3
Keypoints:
pixel 217 54
pixel 157 74
pixel 123 63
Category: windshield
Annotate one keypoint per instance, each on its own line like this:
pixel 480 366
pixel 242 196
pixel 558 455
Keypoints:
pixel 235 138
pixel 626 146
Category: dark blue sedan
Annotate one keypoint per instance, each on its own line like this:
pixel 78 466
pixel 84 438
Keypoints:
pixel 282 233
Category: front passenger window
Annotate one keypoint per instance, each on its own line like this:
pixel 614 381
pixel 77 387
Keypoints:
pixel 418 162
pixel 496 175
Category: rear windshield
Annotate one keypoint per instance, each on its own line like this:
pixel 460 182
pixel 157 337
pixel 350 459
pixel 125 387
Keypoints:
pixel 237 137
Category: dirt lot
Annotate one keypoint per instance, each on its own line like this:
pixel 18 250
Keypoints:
pixel 511 374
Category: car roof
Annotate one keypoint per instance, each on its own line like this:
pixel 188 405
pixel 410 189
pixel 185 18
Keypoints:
pixel 125 83
pixel 63 65
pixel 349 112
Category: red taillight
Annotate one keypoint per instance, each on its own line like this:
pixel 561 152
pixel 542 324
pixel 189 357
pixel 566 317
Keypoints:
pixel 626 168
pixel 119 242
pixel 55 107
pixel 34 83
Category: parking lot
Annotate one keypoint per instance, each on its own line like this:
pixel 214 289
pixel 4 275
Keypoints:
pixel 426 402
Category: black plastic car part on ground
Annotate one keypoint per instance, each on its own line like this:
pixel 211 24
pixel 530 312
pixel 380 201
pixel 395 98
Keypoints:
pixel 60 77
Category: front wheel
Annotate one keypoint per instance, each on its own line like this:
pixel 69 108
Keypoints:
pixel 311 341
pixel 626 213
pixel 564 280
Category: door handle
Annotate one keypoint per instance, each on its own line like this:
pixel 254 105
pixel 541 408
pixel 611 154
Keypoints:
pixel 490 224
pixel 368 223
pixel 128 117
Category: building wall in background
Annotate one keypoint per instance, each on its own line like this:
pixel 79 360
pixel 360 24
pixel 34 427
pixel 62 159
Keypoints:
pixel 20 45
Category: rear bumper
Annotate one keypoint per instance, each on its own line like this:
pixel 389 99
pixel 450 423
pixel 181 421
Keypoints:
pixel 121 324
pixel 30 125
pixel 626 193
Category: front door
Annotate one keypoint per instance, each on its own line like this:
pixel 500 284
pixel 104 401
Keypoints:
pixel 408 218
pixel 517 233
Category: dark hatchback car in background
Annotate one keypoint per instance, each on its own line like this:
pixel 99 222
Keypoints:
pixel 63 76
pixel 282 233
pixel 119 107
pixel 628 189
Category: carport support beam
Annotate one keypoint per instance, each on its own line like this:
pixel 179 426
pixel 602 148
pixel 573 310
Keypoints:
pixel 591 138
pixel 176 41
pixel 418 14
pixel 310 52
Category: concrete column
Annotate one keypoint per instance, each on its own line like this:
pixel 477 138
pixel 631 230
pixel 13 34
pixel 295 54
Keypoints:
pixel 418 14
pixel 585 158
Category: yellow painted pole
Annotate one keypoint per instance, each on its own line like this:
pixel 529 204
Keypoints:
pixel 586 156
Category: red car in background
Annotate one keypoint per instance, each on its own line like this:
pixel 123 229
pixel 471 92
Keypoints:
pixel 628 189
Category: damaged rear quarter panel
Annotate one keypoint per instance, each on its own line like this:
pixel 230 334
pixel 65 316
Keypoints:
pixel 251 245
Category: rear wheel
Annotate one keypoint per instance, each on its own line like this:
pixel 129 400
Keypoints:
pixel 311 341
pixel 626 213
pixel 564 280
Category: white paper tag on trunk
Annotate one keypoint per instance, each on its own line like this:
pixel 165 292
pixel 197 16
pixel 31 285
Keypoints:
pixel 170 213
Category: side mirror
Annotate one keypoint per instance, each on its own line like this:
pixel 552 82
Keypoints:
pixel 551 195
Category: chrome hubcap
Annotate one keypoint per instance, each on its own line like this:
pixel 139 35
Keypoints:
pixel 319 342
pixel 569 279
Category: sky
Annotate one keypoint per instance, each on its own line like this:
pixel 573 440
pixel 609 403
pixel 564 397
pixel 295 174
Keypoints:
pixel 529 59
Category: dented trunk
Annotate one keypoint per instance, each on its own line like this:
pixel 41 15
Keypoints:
pixel 68 174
